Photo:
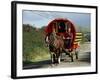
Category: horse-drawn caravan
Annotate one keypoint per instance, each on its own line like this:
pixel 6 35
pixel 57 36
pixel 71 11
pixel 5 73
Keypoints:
pixel 60 38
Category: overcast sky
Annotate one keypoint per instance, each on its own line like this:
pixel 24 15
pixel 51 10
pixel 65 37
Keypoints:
pixel 42 18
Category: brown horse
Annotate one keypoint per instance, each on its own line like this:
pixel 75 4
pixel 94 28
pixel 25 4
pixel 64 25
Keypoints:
pixel 56 48
pixel 56 45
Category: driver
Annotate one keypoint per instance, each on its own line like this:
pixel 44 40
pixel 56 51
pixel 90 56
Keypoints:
pixel 68 37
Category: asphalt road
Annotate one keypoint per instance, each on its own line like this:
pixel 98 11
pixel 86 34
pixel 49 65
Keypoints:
pixel 84 60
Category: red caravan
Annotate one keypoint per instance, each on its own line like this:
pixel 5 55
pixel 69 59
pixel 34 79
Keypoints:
pixel 54 24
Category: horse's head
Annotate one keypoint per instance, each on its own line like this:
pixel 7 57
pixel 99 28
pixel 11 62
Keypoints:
pixel 47 40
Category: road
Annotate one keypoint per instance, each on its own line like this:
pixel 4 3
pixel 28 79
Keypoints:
pixel 84 60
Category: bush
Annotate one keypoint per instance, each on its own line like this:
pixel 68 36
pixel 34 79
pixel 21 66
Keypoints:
pixel 33 45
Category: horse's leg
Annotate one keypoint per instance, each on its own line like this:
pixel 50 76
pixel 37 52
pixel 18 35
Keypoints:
pixel 51 57
pixel 71 55
pixel 58 56
pixel 61 57
pixel 76 53
pixel 59 60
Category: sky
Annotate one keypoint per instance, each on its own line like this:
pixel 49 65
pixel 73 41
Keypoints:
pixel 42 18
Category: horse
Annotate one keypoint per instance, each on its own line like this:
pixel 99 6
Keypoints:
pixel 56 45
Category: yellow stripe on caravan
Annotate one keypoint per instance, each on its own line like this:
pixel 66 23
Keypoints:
pixel 78 36
pixel 75 42
pixel 78 33
pixel 78 40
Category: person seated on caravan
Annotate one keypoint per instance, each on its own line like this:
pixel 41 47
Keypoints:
pixel 68 37
pixel 61 27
